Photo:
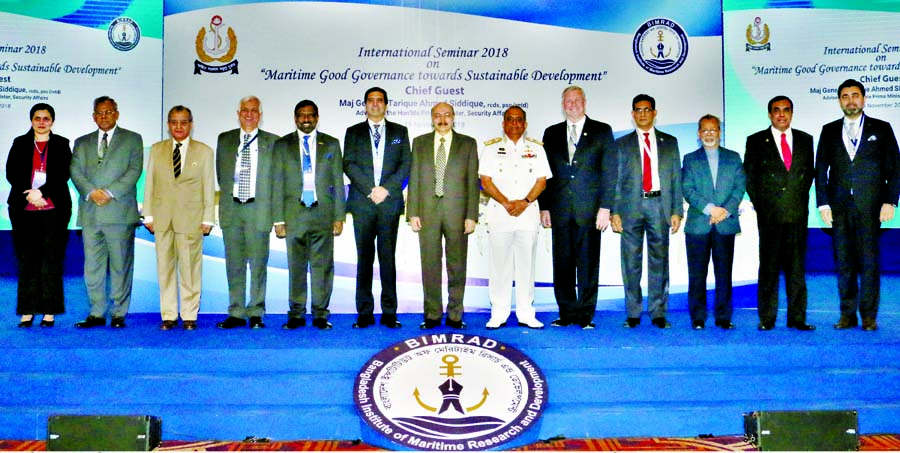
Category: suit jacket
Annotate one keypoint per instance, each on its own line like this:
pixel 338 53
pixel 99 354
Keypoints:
pixel 461 182
pixel 19 169
pixel 873 176
pixel 118 173
pixel 288 187
pixel 581 188
pixel 630 182
pixel 697 182
pixel 779 196
pixel 260 210
pixel 181 204
pixel 358 167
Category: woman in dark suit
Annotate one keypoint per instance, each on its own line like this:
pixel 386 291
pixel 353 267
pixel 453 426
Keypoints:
pixel 39 209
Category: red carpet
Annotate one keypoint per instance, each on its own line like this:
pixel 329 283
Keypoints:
pixel 872 442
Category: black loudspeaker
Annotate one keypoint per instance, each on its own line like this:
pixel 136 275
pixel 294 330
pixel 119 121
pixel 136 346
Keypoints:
pixel 802 430
pixel 103 432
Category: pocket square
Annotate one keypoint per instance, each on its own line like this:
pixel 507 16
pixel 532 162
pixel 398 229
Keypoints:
pixel 872 138
pixel 396 141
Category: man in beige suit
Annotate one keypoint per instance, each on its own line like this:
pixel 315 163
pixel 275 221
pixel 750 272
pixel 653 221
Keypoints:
pixel 179 200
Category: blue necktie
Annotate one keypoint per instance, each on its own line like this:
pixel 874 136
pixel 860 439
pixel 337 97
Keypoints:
pixel 309 194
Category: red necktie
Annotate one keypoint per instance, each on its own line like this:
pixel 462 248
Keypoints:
pixel 785 151
pixel 648 173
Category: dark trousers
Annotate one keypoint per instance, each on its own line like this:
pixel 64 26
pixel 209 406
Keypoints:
pixel 245 247
pixel 376 230
pixel 857 255
pixel 576 269
pixel 782 247
pixel 39 240
pixel 649 222
pixel 699 249
pixel 440 233
pixel 310 248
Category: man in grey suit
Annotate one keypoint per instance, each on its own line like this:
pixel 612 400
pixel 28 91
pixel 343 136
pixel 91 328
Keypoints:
pixel 244 162
pixel 713 181
pixel 648 202
pixel 309 211
pixel 106 166
pixel 442 205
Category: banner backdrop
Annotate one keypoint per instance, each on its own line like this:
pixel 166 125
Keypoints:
pixel 479 56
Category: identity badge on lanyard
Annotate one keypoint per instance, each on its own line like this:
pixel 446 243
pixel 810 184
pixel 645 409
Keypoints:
pixel 40 174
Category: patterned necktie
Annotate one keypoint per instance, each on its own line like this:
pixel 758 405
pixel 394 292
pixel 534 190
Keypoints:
pixel 573 142
pixel 244 173
pixel 440 166
pixel 854 139
pixel 648 172
pixel 785 151
pixel 376 135
pixel 176 160
pixel 309 195
pixel 104 146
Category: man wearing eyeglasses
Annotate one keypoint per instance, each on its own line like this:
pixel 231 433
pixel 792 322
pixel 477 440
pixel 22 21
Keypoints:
pixel 648 203
pixel 713 181
pixel 106 166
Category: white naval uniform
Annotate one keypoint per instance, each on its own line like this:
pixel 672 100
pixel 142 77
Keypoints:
pixel 514 168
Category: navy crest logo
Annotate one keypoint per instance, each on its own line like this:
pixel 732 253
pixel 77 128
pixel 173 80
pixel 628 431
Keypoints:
pixel 123 34
pixel 216 44
pixel 758 36
pixel 660 46
pixel 450 392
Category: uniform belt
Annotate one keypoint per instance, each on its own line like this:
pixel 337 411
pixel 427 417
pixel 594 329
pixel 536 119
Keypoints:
pixel 238 200
pixel 651 194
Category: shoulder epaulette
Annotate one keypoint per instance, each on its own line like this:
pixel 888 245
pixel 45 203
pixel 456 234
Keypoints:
pixel 534 140
pixel 492 141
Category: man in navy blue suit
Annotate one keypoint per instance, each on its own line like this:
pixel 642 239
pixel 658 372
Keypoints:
pixel 857 186
pixel 377 160
pixel 713 182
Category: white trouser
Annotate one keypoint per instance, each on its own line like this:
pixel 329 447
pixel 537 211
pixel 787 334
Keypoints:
pixel 512 255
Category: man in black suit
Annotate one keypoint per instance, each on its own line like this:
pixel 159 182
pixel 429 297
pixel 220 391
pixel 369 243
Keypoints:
pixel 778 164
pixel 308 204
pixel 443 211
pixel 648 202
pixel 244 162
pixel 575 204
pixel 377 160
pixel 857 186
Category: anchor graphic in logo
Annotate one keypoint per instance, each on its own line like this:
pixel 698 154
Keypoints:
pixel 451 390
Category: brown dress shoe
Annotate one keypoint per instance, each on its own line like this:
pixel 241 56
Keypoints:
pixel 845 322
pixel 869 324
pixel 168 324
pixel 190 325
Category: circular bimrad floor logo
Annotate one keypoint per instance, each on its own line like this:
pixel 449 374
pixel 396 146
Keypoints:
pixel 450 392
pixel 660 46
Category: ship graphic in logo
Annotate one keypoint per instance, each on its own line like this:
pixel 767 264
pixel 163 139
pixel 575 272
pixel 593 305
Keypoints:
pixel 450 392
pixel 214 45
pixel 660 46
pixel 758 36
pixel 123 34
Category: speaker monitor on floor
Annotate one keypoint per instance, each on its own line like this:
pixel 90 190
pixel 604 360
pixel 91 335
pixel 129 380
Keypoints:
pixel 802 430
pixel 103 432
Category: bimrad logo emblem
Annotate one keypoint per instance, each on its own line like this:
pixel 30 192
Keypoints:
pixel 450 392
pixel 660 46
pixel 214 43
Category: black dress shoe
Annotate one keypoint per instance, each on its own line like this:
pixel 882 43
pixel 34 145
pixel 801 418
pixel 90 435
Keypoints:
pixel 455 324
pixel 869 324
pixel 91 321
pixel 661 323
pixel 256 322
pixel 699 325
pixel 322 324
pixel 390 321
pixel 294 323
pixel 363 321
pixel 117 322
pixel 846 322
pixel 430 324
pixel 560 323
pixel 631 323
pixel 231 322
pixel 588 326
pixel 46 323
pixel 26 324
pixel 766 326
pixel 801 326
pixel 727 325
